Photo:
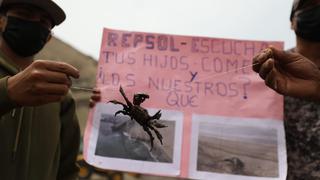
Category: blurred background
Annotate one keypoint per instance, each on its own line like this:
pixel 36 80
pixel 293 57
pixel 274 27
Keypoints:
pixel 240 19
pixel 77 41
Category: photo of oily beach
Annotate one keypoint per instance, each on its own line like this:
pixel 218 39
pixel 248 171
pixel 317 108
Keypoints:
pixel 239 150
pixel 121 137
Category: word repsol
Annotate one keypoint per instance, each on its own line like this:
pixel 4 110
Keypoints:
pixel 227 47
pixel 149 41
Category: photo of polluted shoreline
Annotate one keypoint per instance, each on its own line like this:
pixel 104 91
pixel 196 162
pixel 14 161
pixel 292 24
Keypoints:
pixel 238 150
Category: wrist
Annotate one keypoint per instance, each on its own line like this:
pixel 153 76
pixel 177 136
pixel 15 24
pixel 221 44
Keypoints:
pixel 10 84
pixel 6 103
pixel 316 95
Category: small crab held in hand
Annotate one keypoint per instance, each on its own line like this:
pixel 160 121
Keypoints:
pixel 140 114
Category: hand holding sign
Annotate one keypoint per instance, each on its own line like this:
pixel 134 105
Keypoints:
pixel 288 73
pixel 42 82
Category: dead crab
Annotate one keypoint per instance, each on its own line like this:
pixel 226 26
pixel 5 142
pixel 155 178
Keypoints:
pixel 140 114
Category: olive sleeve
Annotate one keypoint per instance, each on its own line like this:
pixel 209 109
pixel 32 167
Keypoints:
pixel 70 141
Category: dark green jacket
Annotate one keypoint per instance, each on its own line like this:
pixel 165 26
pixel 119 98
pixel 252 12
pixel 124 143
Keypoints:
pixel 36 143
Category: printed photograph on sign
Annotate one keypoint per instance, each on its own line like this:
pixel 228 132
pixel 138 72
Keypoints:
pixel 121 143
pixel 241 150
pixel 121 137
pixel 233 146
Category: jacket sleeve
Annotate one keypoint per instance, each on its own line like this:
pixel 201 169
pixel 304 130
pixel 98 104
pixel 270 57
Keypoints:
pixel 6 104
pixel 70 140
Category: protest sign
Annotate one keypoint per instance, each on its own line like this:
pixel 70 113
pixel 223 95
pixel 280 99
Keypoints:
pixel 222 121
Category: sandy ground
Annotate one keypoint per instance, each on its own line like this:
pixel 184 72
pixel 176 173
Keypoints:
pixel 237 157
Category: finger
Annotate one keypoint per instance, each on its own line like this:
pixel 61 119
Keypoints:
pixel 96 91
pixel 96 97
pixel 92 103
pixel 283 57
pixel 50 89
pixel 57 77
pixel 62 67
pixel 276 81
pixel 270 80
pixel 260 58
pixel 70 81
pixel 266 67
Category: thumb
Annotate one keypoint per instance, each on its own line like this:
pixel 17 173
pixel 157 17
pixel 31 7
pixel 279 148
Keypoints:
pixel 281 56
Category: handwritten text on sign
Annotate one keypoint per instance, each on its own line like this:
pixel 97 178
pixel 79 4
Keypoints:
pixel 180 72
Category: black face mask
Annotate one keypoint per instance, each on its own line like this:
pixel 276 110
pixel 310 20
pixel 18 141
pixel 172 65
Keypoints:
pixel 25 38
pixel 308 24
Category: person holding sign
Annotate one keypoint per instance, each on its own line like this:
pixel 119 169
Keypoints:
pixel 296 75
pixel 288 73
pixel 39 131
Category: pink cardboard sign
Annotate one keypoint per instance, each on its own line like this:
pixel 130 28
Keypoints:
pixel 190 75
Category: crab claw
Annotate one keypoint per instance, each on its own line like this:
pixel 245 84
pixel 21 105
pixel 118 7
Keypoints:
pixel 159 125
pixel 118 112
pixel 157 115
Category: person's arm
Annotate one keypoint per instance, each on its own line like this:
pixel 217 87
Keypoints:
pixel 6 104
pixel 42 82
pixel 288 73
pixel 70 141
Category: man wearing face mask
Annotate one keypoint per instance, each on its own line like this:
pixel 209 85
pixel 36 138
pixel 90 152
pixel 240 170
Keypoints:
pixel 295 73
pixel 39 131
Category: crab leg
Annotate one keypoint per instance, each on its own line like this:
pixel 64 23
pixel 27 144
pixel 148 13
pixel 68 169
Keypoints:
pixel 145 128
pixel 156 115
pixel 159 136
pixel 125 97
